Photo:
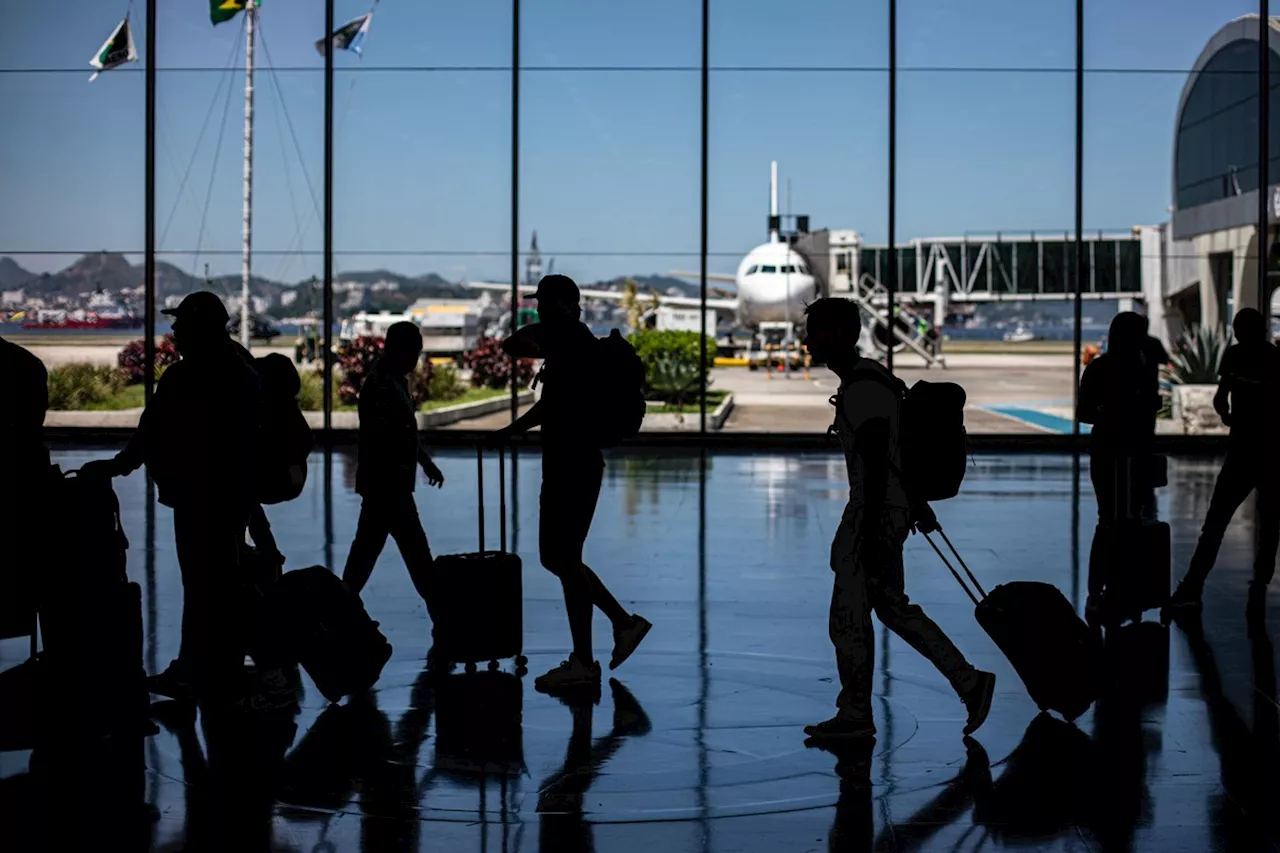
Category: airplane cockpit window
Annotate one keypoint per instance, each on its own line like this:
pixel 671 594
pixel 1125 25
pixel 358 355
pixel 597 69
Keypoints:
pixel 803 269
pixel 751 270
pixel 768 268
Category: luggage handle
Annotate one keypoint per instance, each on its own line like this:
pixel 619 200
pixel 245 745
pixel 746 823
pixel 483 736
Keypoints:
pixel 502 495
pixel 976 601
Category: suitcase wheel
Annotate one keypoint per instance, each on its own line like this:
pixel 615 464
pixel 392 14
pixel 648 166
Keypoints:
pixel 470 667
pixel 522 661
pixel 493 666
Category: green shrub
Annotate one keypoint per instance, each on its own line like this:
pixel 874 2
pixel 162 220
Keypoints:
pixel 445 384
pixel 1197 354
pixel 81 386
pixel 672 363
pixel 311 394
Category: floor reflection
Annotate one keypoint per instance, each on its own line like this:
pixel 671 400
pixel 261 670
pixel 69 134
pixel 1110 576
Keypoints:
pixel 698 745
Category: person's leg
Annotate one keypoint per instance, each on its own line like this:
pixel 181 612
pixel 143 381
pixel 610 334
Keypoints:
pixel 1267 541
pixel 561 534
pixel 406 528
pixel 371 535
pixel 850 630
pixel 1236 479
pixel 1102 474
pixel 887 593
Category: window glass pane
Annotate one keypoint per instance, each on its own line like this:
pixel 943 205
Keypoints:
pixel 71 234
pixel 986 203
pixel 1171 176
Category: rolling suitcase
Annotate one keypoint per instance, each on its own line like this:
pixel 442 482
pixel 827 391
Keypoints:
pixel 91 619
pixel 1135 552
pixel 480 607
pixel 322 624
pixel 1049 645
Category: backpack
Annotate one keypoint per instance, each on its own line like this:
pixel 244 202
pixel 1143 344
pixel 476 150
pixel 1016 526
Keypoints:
pixel 620 403
pixel 285 439
pixel 931 434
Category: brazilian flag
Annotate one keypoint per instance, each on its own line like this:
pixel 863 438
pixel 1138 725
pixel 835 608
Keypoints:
pixel 225 10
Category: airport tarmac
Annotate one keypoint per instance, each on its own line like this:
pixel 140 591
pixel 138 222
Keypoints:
pixel 1008 393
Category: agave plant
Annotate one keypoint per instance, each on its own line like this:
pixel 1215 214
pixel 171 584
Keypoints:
pixel 1197 355
pixel 673 378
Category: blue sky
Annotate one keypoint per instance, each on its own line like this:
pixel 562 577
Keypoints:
pixel 609 171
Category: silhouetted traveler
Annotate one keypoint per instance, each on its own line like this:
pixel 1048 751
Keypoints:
pixel 572 472
pixel 1246 401
pixel 866 554
pixel 198 438
pixel 388 457
pixel 25 388
pixel 1120 397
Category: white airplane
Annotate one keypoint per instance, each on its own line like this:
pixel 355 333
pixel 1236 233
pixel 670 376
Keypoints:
pixel 773 282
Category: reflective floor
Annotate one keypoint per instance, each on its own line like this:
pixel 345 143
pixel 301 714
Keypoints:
pixel 698 745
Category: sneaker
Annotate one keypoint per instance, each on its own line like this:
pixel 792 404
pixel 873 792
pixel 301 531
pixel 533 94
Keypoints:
pixel 570 674
pixel 841 728
pixel 626 640
pixel 1185 599
pixel 977 698
pixel 174 683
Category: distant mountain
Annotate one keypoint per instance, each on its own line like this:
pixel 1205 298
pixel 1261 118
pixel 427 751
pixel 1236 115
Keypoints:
pixel 663 284
pixel 113 272
pixel 12 275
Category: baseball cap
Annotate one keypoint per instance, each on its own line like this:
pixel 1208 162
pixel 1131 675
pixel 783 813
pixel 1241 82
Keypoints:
pixel 558 288
pixel 202 307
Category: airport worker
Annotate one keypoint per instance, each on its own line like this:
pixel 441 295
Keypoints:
pixel 1246 401
pixel 387 459
pixel 198 439
pixel 866 554
pixel 572 473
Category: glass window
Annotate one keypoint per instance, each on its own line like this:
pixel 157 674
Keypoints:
pixel 71 235
pixel 769 268
pixel 985 193
pixel 752 269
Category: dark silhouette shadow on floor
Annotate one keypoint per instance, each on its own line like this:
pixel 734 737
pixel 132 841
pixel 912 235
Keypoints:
pixel 562 824
pixel 1243 812
pixel 853 829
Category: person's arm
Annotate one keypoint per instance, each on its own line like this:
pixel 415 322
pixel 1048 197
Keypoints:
pixel 868 418
pixel 260 532
pixel 530 419
pixel 525 342
pixel 1222 399
pixel 434 476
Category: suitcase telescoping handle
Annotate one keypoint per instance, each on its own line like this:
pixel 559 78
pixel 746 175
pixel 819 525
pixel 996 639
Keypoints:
pixel 502 495
pixel 981 592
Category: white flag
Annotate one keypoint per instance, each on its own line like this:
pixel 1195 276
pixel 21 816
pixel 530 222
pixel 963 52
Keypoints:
pixel 115 51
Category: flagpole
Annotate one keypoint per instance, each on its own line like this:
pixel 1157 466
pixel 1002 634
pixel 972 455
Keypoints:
pixel 246 267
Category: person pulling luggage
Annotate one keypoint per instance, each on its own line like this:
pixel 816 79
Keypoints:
pixel 198 438
pixel 387 458
pixel 1246 401
pixel 572 473
pixel 866 553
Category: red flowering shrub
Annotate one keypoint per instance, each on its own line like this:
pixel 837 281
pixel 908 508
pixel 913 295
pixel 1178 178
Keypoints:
pixel 132 360
pixel 491 367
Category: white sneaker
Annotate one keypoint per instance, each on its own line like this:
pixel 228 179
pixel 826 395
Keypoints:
pixel 628 639
pixel 570 674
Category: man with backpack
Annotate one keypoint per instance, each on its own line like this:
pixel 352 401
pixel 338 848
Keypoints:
pixel 866 554
pixel 584 406
pixel 198 438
